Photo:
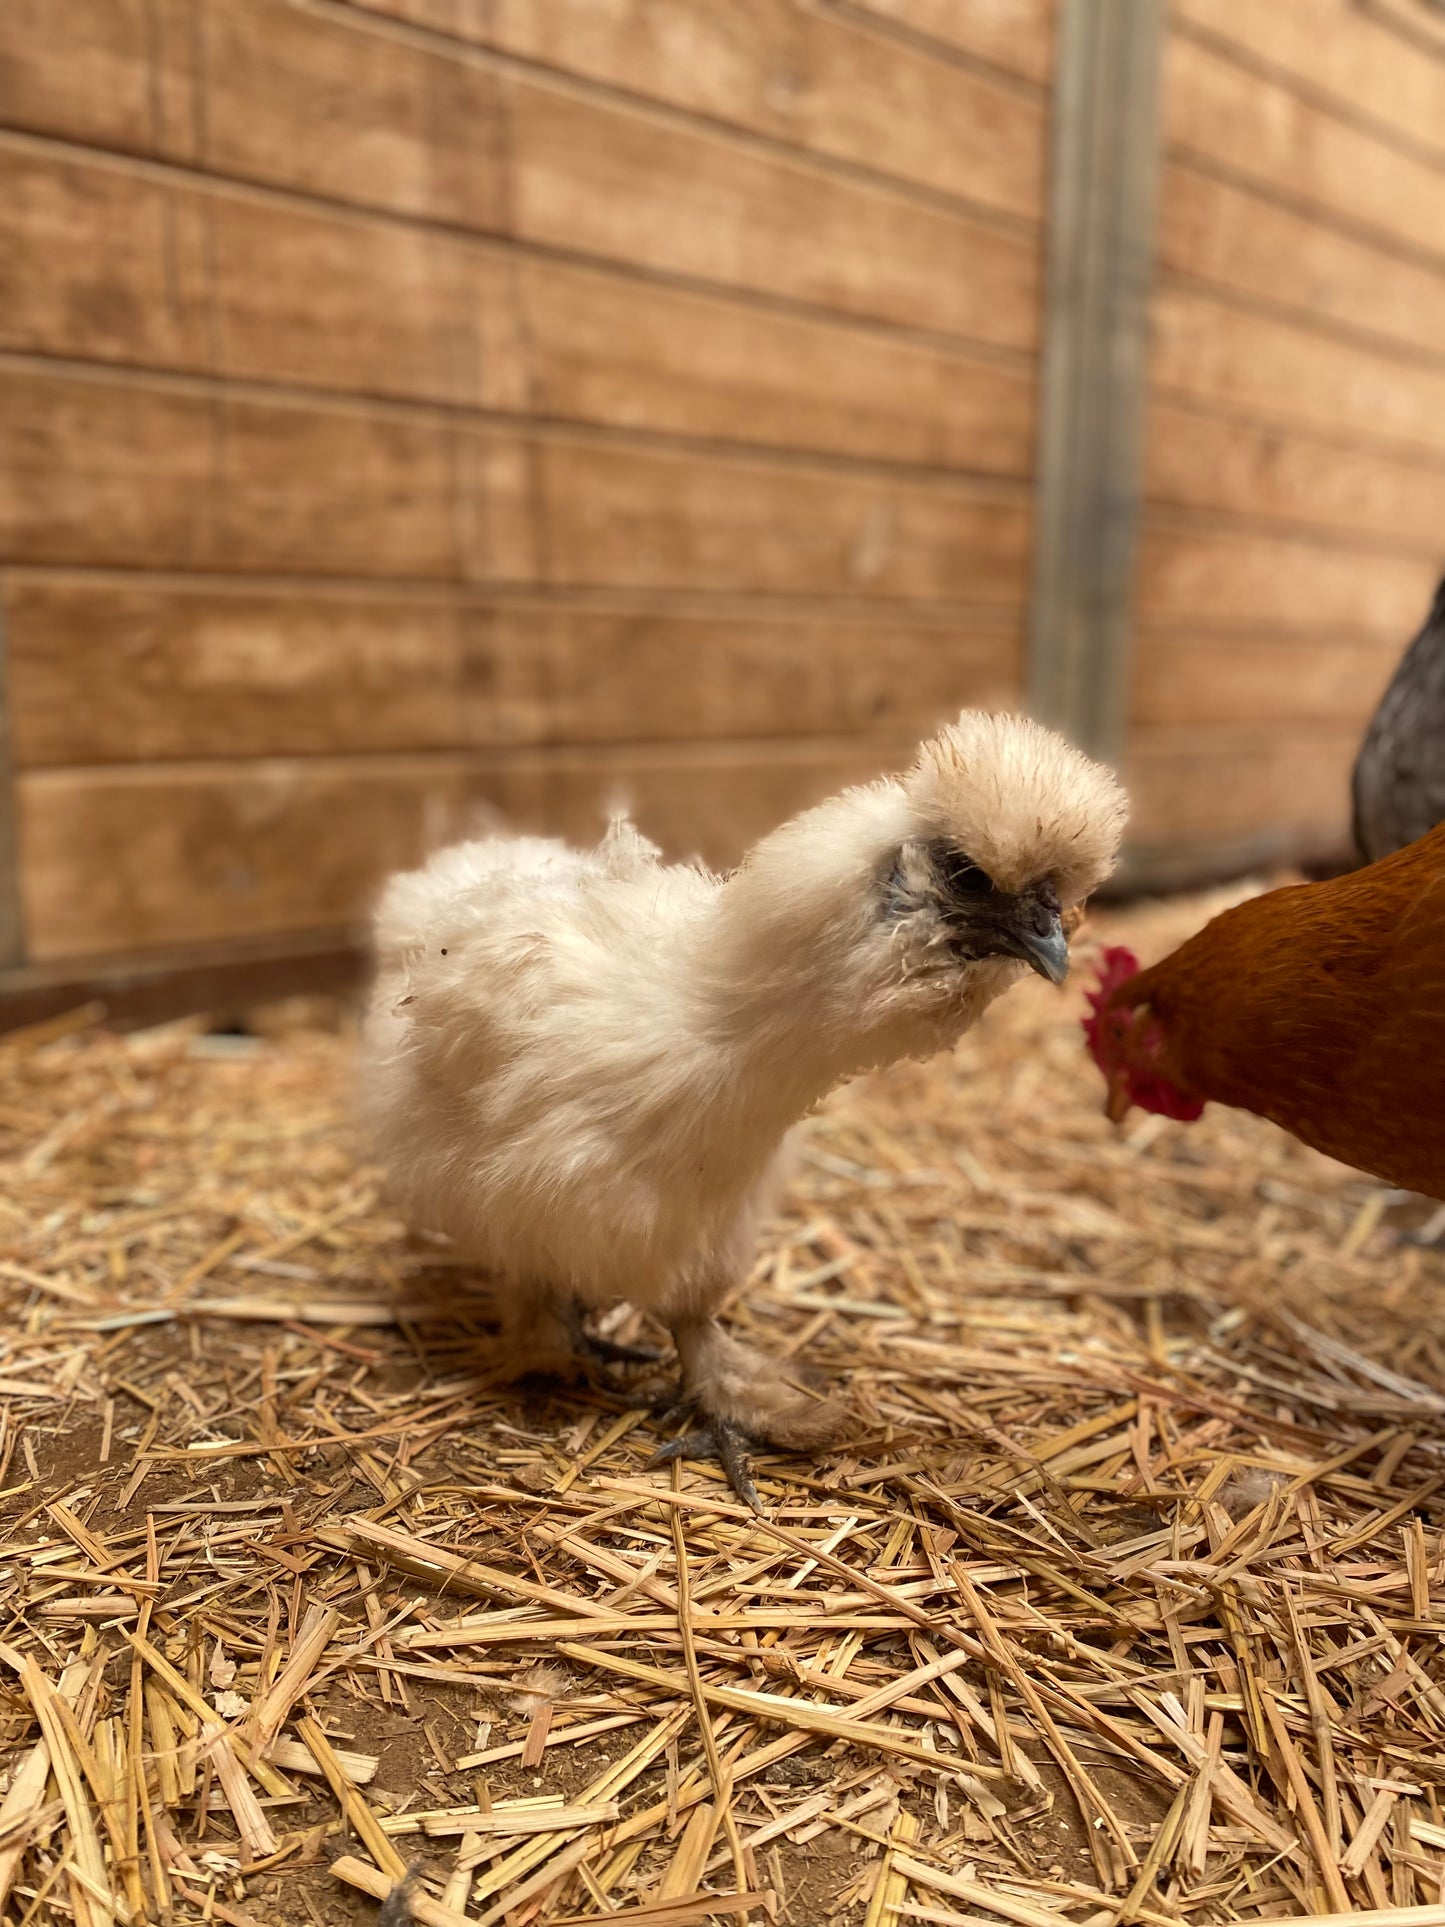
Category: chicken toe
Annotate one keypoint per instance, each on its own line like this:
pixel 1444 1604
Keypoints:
pixel 716 1439
pixel 769 1401
pixel 741 1397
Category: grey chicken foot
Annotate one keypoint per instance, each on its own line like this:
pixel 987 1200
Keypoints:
pixel 721 1440
pixel 741 1398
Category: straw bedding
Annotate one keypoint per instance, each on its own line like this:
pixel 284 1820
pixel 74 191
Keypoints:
pixel 1120 1604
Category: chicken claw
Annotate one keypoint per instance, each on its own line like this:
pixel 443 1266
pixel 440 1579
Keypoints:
pixel 742 1398
pixel 717 1439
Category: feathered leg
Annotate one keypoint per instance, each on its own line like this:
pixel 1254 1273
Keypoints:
pixel 743 1398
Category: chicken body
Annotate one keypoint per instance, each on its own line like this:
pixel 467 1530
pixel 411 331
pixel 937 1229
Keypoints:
pixel 1399 776
pixel 582 1065
pixel 1321 1007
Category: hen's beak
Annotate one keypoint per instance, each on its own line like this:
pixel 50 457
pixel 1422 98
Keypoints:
pixel 1118 1102
pixel 1045 949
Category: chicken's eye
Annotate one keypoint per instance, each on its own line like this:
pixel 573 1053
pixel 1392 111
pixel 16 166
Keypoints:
pixel 962 875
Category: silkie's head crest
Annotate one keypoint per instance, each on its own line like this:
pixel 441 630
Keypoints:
pixel 1126 1041
pixel 1019 803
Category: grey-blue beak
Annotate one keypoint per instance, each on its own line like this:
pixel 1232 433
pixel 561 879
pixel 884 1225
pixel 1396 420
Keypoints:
pixel 1046 950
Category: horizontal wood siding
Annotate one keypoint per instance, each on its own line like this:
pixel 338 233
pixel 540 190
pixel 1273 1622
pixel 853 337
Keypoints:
pixel 1294 518
pixel 420 407
pixel 802 77
pixel 110 671
pixel 127 860
pixel 106 262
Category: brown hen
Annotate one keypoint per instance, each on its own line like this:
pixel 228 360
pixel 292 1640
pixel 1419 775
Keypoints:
pixel 1321 1007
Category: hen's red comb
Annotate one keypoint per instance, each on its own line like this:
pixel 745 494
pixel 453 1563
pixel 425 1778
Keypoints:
pixel 1116 967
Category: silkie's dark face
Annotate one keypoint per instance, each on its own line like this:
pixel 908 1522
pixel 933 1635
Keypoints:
pixel 983 921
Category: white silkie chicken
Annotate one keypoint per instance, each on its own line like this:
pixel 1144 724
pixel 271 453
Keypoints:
pixel 580 1066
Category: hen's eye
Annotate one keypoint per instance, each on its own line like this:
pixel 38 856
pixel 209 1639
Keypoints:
pixel 963 877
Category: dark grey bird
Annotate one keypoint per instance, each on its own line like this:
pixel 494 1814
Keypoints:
pixel 1398 786
pixel 1399 780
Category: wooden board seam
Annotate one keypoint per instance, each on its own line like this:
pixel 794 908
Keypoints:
pixel 257 191
pixel 1321 214
pixel 1299 428
pixel 1306 320
pixel 504 246
pixel 889 28
pixel 656 752
pixel 121 160
pixel 1319 98
pixel 743 605
pixel 1258 526
pixel 582 86
pixel 527 427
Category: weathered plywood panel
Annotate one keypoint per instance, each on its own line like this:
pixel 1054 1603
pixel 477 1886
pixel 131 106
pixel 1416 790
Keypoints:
pixel 372 307
pixel 109 671
pixel 1206 347
pixel 114 473
pixel 605 349
pixel 1198 459
pixel 306 100
pixel 1196 681
pixel 686 202
pixel 1337 50
pixel 111 472
pixel 331 105
pixel 1014 34
pixel 1192 572
pixel 1241 241
pixel 103 471
pixel 355 486
pixel 117 861
pixel 102 261
pixel 118 73
pixel 263 90
pixel 1197 785
pixel 1239 120
pixel 649 518
pixel 808 77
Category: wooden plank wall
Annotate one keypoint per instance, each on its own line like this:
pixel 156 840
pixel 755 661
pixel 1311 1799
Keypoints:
pixel 423 404
pixel 1294 494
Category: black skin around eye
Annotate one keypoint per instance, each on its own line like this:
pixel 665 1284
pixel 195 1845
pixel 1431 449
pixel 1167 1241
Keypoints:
pixel 962 877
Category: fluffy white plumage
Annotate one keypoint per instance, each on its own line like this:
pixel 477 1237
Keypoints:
pixel 581 1065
